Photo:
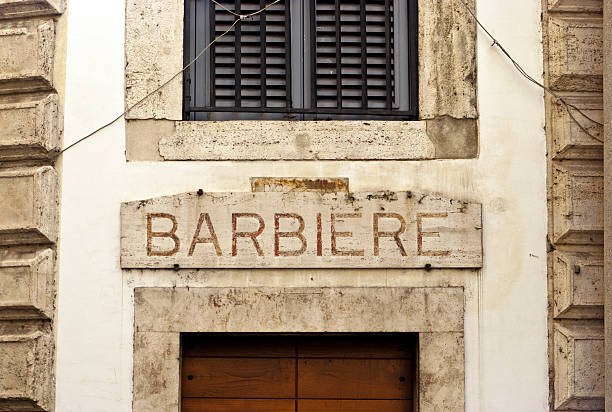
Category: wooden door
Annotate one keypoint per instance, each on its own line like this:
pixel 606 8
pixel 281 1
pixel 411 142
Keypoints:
pixel 280 373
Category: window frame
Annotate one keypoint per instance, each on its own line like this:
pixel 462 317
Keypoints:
pixel 406 77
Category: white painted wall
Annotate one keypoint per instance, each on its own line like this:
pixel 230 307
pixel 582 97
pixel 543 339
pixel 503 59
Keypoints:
pixel 506 335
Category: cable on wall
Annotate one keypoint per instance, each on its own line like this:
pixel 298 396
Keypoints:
pixel 241 17
pixel 548 90
pixel 188 65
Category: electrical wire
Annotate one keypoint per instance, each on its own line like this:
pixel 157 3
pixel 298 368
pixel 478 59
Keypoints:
pixel 188 65
pixel 241 17
pixel 548 90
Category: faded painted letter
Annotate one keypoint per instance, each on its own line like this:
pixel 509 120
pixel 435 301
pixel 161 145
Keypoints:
pixel 211 239
pixel 335 235
pixel 421 234
pixel 395 235
pixel 252 235
pixel 170 235
pixel 298 234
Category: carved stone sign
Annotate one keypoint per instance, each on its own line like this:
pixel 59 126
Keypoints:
pixel 308 230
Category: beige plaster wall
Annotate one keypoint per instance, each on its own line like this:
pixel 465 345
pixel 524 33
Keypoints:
pixel 505 302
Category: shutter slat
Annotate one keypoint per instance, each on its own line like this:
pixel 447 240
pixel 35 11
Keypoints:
pixel 354 61
pixel 250 62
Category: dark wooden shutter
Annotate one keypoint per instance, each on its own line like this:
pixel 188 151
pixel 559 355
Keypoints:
pixel 354 58
pixel 250 65
pixel 224 373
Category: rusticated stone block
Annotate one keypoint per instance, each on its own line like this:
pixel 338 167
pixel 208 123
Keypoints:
pixel 26 362
pixel 576 53
pixel 576 6
pixel 579 366
pixel 578 204
pixel 569 139
pixel 18 9
pixel 29 202
pixel 26 284
pixel 578 285
pixel 27 51
pixel 30 126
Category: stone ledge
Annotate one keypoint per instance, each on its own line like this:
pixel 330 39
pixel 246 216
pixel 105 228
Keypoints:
pixel 30 126
pixel 568 139
pixel 441 138
pixel 576 6
pixel 578 285
pixel 27 281
pixel 576 53
pixel 19 9
pixel 579 366
pixel 26 362
pixel 578 203
pixel 27 50
pixel 29 203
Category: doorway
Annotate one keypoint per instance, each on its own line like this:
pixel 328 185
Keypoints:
pixel 299 373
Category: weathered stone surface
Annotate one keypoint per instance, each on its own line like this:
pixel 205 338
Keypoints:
pixel 568 138
pixel 19 9
pixel 29 203
pixel 299 309
pixel 579 366
pixel 576 52
pixel 30 126
pixel 576 6
pixel 156 372
pixel 26 362
pixel 154 45
pixel 299 184
pixel 454 138
pixel 578 285
pixel 26 284
pixel 578 203
pixel 300 229
pixel 441 372
pixel 447 60
pixel 307 140
pixel 27 51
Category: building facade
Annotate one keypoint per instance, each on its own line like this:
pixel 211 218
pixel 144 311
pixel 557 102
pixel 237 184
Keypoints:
pixel 447 232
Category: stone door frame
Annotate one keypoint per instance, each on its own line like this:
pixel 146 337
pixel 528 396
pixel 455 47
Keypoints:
pixel 435 313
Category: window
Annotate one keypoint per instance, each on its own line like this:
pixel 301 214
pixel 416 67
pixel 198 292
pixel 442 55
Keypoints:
pixel 302 59
pixel 298 373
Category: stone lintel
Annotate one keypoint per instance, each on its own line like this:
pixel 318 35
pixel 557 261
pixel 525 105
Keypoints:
pixel 29 203
pixel 299 309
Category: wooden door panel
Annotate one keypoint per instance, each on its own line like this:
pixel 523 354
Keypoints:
pixel 382 347
pixel 238 405
pixel 238 377
pixel 232 346
pixel 355 378
pixel 355 405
